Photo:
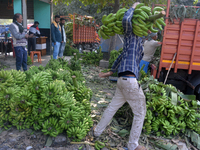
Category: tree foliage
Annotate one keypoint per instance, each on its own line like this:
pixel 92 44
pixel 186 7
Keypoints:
pixel 103 3
pixel 78 7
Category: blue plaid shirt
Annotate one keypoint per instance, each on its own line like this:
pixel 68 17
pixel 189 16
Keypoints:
pixel 129 59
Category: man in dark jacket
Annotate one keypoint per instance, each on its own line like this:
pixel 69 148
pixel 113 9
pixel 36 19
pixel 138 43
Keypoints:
pixel 32 41
pixel 56 36
pixel 63 43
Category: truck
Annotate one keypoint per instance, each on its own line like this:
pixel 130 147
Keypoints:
pixel 85 36
pixel 180 55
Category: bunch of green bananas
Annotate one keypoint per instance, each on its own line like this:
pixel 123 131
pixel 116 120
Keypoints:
pixel 31 72
pixel 51 127
pixel 5 123
pixel 79 131
pixel 55 74
pixel 80 93
pixel 50 93
pixel 41 111
pixel 23 124
pixel 142 21
pixel 112 24
pixel 19 77
pixel 99 145
pixel 6 78
pixel 59 107
pixel 165 118
pixel 69 119
pixel 38 81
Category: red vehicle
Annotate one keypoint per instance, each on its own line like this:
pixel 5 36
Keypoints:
pixel 181 41
pixel 85 35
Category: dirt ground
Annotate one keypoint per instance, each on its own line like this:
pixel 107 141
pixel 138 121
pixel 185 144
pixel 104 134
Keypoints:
pixel 9 61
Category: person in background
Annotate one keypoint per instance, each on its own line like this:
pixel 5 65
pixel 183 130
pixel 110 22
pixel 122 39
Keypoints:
pixel 56 36
pixel 63 43
pixel 32 41
pixel 128 89
pixel 150 47
pixel 19 41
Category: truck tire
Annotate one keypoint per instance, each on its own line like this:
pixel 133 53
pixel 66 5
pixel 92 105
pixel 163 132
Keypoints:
pixel 80 48
pixel 197 92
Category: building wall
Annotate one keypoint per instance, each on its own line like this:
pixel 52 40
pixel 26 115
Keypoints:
pixel 17 8
pixel 17 5
pixel 42 13
pixel 4 12
pixel 30 9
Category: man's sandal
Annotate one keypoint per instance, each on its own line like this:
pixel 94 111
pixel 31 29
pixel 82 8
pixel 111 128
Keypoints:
pixel 140 148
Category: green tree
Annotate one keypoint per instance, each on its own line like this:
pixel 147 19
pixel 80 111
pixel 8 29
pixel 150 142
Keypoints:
pixel 78 7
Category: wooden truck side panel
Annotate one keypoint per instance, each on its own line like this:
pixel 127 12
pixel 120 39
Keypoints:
pixel 83 34
pixel 183 39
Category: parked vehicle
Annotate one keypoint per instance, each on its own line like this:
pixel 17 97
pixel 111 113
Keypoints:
pixel 181 41
pixel 85 36
pixel 5 40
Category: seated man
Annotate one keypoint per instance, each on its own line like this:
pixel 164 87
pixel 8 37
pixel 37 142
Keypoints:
pixel 150 47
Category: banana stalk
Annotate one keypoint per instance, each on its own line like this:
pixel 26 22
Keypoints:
pixel 157 16
pixel 74 81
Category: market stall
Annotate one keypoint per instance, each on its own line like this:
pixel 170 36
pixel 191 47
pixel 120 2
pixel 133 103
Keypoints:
pixel 37 10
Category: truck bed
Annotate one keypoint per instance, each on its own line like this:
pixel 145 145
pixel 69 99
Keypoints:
pixel 183 39
pixel 83 33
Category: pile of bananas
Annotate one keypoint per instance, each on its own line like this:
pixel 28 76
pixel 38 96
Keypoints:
pixel 143 20
pixel 46 100
pixel 167 114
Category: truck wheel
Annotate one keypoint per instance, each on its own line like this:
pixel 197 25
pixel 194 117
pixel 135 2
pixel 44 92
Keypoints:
pixel 197 92
pixel 94 50
pixel 80 48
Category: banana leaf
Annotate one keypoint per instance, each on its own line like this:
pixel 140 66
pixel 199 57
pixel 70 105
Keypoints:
pixel 49 141
pixel 174 98
pixel 164 145
pixel 195 138
pixel 123 133
pixel 187 97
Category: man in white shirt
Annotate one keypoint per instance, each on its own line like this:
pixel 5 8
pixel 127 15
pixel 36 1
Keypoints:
pixel 150 47
pixel 32 41
pixel 63 43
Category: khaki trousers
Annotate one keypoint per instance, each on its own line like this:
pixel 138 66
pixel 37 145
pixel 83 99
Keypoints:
pixel 128 90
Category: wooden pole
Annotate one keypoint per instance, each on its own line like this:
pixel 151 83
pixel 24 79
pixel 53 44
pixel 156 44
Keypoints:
pixel 24 13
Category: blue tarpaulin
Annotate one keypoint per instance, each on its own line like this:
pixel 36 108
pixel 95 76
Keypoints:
pixel 3 28
pixel 106 43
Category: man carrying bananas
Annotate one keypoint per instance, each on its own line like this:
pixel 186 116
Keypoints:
pixel 128 89
pixel 150 47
